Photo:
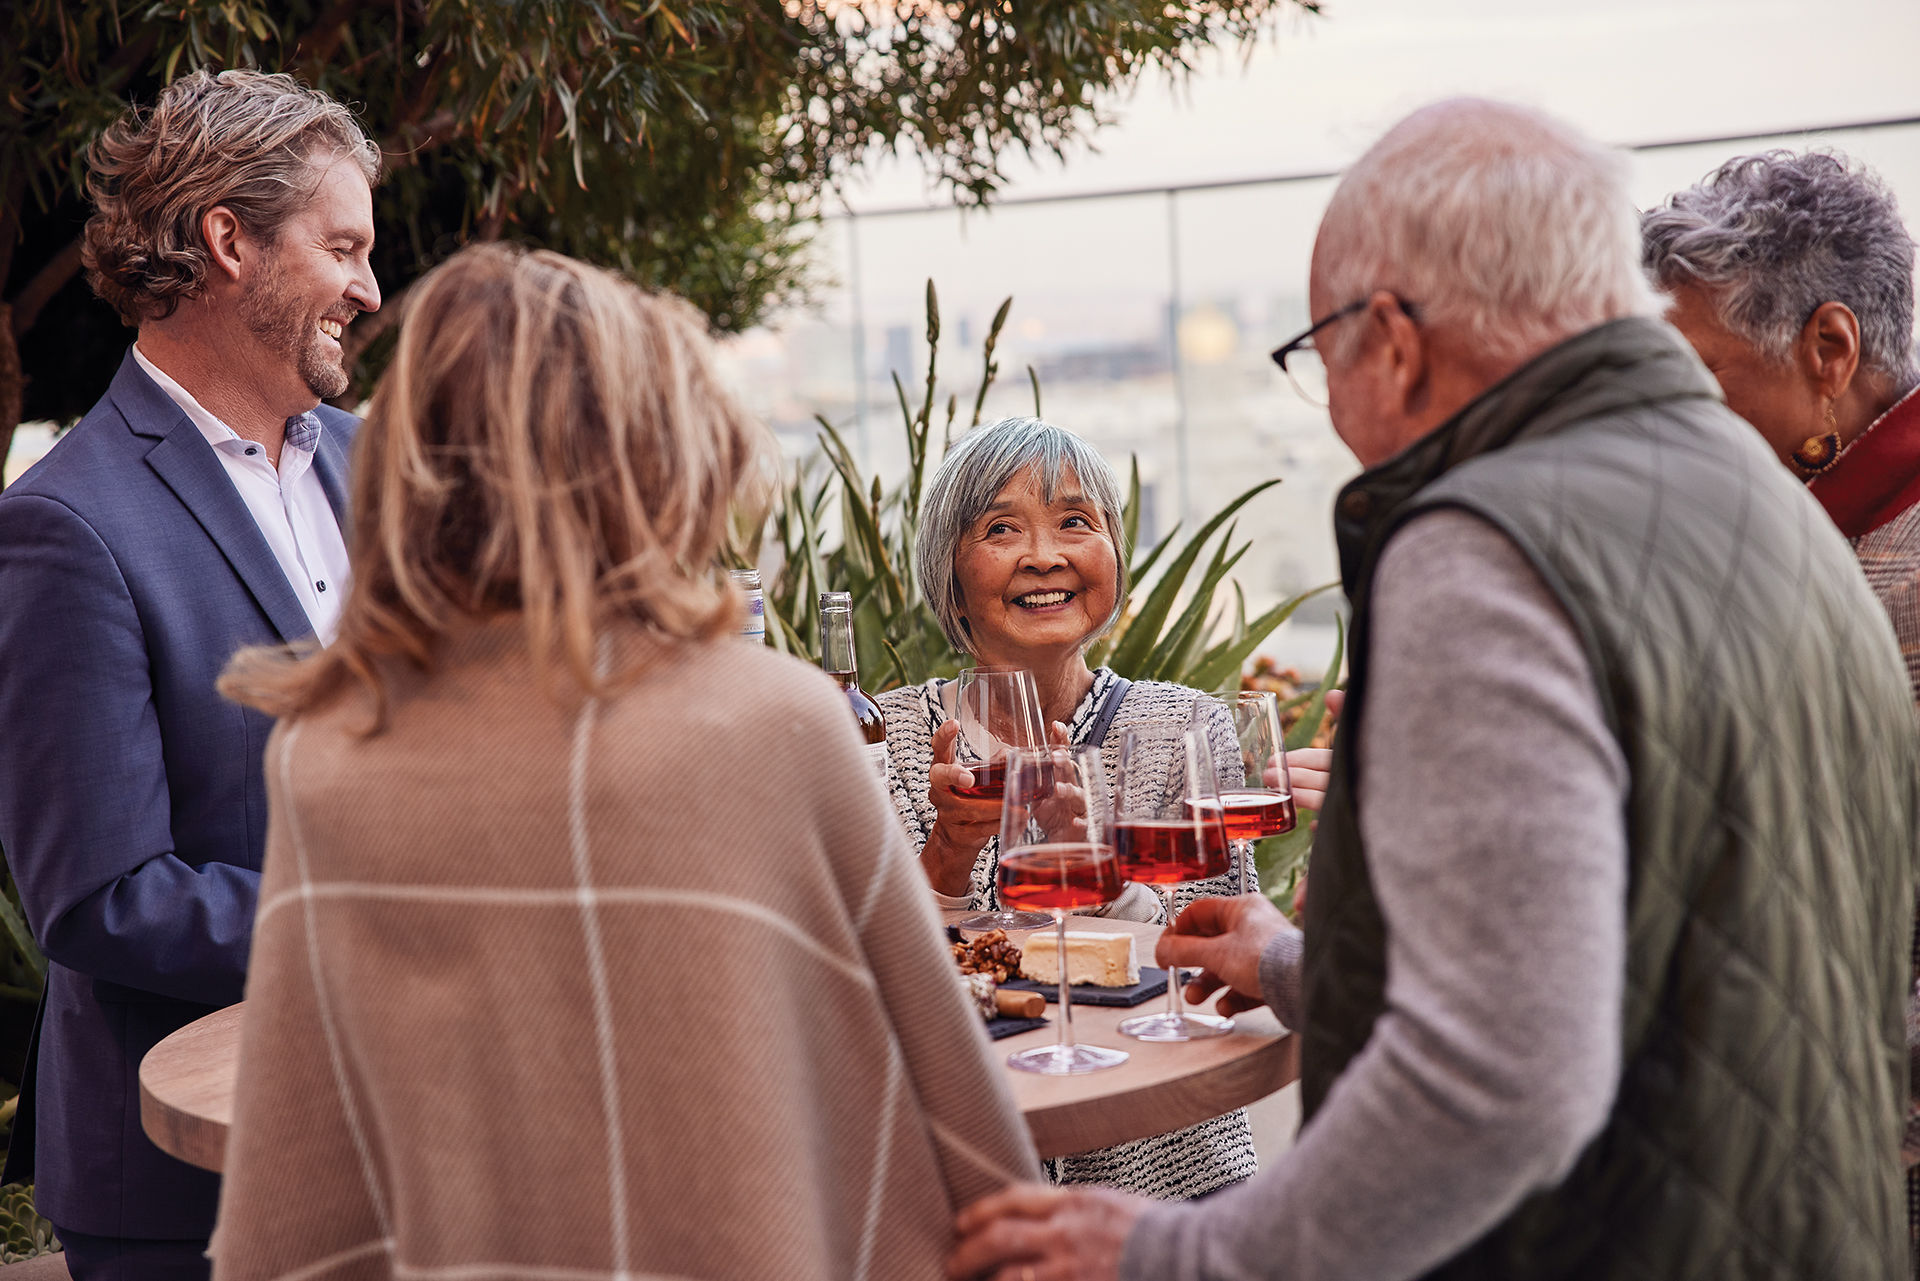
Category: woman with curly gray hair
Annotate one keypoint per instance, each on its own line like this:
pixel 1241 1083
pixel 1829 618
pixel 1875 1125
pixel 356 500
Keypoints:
pixel 1792 276
pixel 1019 553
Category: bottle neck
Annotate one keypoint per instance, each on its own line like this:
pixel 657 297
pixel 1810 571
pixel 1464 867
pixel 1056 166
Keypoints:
pixel 836 646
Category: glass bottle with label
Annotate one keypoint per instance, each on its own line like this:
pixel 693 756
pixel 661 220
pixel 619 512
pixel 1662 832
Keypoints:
pixel 836 656
pixel 748 581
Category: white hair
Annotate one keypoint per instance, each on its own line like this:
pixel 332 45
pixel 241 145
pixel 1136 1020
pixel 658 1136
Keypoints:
pixel 1491 221
pixel 970 480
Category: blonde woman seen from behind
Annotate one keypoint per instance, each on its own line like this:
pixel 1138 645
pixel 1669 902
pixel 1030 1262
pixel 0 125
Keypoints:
pixel 587 944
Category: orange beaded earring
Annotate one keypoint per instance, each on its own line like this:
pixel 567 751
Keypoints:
pixel 1818 453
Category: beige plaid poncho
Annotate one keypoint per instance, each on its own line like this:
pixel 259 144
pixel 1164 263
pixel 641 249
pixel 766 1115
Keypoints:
pixel 642 987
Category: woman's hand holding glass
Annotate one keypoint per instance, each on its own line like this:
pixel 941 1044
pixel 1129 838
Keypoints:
pixel 1257 794
pixel 962 824
pixel 1308 768
pixel 1311 768
pixel 996 715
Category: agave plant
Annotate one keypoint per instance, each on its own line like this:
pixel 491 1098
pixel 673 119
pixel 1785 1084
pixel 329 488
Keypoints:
pixel 23 1233
pixel 23 973
pixel 23 969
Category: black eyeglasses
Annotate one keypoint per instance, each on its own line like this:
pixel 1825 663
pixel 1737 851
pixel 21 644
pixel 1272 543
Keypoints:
pixel 1300 360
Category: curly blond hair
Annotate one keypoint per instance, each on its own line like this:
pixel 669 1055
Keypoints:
pixel 243 139
pixel 549 442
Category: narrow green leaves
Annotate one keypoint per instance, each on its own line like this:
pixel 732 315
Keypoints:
pixel 1143 630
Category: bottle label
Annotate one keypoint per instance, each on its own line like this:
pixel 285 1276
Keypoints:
pixel 755 628
pixel 882 763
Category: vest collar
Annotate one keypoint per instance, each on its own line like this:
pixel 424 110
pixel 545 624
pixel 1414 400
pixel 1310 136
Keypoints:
pixel 1606 369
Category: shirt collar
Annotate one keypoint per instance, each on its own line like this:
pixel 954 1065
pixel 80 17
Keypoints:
pixel 303 430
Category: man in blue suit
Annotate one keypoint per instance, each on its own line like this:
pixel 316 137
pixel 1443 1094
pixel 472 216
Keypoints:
pixel 197 508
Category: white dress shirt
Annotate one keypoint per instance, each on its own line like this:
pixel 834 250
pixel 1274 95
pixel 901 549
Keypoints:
pixel 288 504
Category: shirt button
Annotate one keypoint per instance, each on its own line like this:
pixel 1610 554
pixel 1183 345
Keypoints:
pixel 320 586
pixel 252 450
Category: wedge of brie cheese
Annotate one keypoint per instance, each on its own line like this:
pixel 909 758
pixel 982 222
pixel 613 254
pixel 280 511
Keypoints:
pixel 1104 960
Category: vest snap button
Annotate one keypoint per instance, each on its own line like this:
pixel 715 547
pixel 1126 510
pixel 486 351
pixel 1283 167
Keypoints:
pixel 1356 505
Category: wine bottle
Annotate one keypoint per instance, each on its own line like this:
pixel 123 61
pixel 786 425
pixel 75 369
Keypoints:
pixel 836 656
pixel 748 581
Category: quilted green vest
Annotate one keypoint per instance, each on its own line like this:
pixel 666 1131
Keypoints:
pixel 1759 699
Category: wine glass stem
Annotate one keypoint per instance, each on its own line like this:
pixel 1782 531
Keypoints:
pixel 1173 971
pixel 1249 874
pixel 1066 997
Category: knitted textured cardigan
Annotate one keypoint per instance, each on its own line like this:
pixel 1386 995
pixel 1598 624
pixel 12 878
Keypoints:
pixel 638 986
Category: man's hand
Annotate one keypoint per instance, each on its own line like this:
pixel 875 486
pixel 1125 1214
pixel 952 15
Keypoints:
pixel 1031 1232
pixel 1223 938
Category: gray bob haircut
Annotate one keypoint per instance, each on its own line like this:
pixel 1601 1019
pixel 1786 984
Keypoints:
pixel 972 476
pixel 1494 221
pixel 1771 237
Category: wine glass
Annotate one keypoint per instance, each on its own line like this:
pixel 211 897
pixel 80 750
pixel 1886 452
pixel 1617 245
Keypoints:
pixel 998 710
pixel 1169 829
pixel 1055 854
pixel 1260 804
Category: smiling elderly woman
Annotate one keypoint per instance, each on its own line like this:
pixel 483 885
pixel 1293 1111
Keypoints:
pixel 1019 554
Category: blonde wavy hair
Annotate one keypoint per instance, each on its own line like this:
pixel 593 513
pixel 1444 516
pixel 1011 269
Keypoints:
pixel 549 441
pixel 243 139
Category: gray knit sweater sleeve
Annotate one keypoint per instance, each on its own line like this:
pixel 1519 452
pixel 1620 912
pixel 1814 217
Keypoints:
pixel 1493 808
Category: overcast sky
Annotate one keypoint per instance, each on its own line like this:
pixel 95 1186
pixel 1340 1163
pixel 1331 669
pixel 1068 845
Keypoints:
pixel 1315 91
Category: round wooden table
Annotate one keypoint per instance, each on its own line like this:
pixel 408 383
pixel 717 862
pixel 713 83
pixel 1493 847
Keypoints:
pixel 186 1081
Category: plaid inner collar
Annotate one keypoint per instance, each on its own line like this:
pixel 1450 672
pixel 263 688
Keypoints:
pixel 303 432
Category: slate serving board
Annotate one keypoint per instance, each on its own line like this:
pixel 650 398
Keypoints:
pixel 1153 982
pixel 1002 1028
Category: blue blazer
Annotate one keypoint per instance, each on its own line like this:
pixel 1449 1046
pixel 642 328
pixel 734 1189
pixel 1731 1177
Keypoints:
pixel 133 810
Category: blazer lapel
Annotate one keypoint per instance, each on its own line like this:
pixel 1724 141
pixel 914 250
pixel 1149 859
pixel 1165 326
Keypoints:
pixel 189 467
pixel 330 464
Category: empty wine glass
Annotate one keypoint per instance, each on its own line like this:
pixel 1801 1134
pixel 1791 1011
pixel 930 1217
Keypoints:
pixel 1055 854
pixel 1261 804
pixel 1169 830
pixel 998 711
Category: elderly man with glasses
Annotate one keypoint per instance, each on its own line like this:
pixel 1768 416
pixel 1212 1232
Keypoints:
pixel 1603 965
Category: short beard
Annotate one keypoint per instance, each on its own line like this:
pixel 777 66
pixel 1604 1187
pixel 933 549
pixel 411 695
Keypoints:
pixel 283 329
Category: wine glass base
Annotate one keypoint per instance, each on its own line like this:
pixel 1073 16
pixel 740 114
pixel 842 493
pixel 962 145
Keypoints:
pixel 984 921
pixel 1175 1027
pixel 1066 1060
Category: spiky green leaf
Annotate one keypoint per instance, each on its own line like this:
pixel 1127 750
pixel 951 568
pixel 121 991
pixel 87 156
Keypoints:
pixel 1143 630
pixel 1221 665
